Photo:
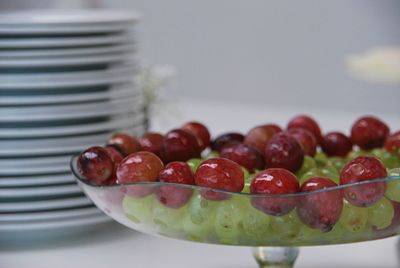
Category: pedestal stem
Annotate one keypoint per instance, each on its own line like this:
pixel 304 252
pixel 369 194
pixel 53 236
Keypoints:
pixel 275 257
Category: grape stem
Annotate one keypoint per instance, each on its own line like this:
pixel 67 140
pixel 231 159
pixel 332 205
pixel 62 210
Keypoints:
pixel 275 257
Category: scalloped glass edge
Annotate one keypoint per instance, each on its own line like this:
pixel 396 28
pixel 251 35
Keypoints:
pixel 195 187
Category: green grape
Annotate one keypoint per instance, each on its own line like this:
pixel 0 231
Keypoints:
pixel 356 153
pixel 336 162
pixel 199 218
pixel 314 172
pixel 381 213
pixel 138 210
pixel 247 181
pixel 353 219
pixel 286 228
pixel 201 210
pixel 194 163
pixel 245 173
pixel 228 220
pixel 212 154
pixel 320 159
pixel 193 231
pixel 246 188
pixel 336 235
pixel 250 177
pixel 308 163
pixel 388 159
pixel 379 152
pixel 393 186
pixel 328 172
pixel 169 220
pixel 308 235
pixel 254 222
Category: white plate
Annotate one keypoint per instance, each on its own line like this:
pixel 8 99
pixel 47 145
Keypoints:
pixel 50 215
pixel 66 30
pixel 71 112
pixel 130 82
pixel 67 109
pixel 42 180
pixel 50 42
pixel 50 147
pixel 49 225
pixel 65 52
pixel 32 144
pixel 82 60
pixel 70 17
pixel 64 203
pixel 34 161
pixel 39 192
pixel 76 97
pixel 60 81
pixel 129 120
pixel 128 68
pixel 33 170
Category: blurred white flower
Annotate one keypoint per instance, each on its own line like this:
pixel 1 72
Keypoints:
pixel 380 65
pixel 157 82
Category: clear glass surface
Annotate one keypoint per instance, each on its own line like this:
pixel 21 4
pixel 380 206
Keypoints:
pixel 235 220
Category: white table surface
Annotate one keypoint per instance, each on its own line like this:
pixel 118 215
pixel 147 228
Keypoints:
pixel 115 246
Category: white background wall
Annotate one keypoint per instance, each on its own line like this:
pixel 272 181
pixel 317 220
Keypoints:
pixel 276 52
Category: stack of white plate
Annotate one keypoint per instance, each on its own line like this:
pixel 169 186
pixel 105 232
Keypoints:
pixel 67 82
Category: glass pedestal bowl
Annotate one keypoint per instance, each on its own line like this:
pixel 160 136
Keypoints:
pixel 235 220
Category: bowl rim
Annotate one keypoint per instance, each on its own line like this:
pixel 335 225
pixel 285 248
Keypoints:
pixel 82 181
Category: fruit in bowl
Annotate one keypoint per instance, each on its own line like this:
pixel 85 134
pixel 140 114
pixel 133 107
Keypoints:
pixel 179 173
pixel 303 188
pixel 274 181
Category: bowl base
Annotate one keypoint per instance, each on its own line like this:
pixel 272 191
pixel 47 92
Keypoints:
pixel 275 257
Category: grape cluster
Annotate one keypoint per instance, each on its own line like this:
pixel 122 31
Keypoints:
pixel 276 164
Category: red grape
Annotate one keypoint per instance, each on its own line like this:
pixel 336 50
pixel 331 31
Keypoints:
pixel 363 168
pixel 274 127
pixel 125 143
pixel 244 155
pixel 369 132
pixel 174 196
pixel 304 121
pixel 392 143
pixel 201 133
pixel 115 155
pixel 283 151
pixel 336 144
pixel 306 139
pixel 139 167
pixel 112 181
pixel 226 139
pixel 180 145
pixel 323 209
pixel 274 181
pixel 221 174
pixel 152 142
pixel 259 136
pixel 95 165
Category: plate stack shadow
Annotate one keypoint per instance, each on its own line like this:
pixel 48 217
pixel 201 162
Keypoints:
pixel 68 80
